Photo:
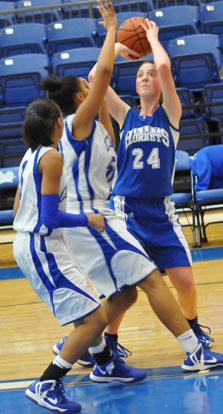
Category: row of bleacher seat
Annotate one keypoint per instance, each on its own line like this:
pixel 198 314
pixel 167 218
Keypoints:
pixel 195 61
pixel 13 13
pixel 173 22
pixel 20 77
pixel 20 81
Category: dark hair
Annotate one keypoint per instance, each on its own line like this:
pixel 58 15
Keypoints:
pixel 39 123
pixel 62 91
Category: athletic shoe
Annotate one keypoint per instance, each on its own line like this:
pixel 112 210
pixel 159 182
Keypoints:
pixel 202 336
pixel 116 348
pixel 201 359
pixel 86 360
pixel 51 394
pixel 116 370
pixel 57 348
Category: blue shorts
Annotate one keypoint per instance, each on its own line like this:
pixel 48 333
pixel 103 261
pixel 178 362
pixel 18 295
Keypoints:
pixel 155 224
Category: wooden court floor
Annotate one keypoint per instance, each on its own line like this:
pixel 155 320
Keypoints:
pixel 28 330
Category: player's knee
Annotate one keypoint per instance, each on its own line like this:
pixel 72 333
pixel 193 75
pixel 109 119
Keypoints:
pixel 186 285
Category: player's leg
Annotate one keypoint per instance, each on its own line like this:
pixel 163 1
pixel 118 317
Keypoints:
pixel 168 311
pixel 111 337
pixel 183 281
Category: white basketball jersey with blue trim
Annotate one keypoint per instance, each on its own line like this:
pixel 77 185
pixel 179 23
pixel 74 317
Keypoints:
pixel 146 156
pixel 89 165
pixel 28 215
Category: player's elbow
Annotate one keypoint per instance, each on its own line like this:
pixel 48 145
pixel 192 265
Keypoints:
pixel 49 220
pixel 164 67
pixel 106 71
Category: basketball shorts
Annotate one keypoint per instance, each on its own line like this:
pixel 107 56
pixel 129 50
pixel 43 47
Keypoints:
pixel 155 224
pixel 54 276
pixel 113 259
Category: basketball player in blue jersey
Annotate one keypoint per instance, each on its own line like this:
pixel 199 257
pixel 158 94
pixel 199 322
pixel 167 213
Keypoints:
pixel 145 171
pixel 114 260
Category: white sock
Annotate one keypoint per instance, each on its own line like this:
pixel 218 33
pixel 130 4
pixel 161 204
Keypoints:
pixel 188 341
pixel 98 348
pixel 61 363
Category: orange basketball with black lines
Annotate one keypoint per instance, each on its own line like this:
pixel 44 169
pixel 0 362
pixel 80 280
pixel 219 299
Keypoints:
pixel 131 34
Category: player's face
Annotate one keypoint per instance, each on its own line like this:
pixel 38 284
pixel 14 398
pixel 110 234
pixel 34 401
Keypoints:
pixel 147 81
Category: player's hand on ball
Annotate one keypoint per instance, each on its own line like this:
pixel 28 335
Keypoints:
pixel 151 29
pixel 96 221
pixel 127 53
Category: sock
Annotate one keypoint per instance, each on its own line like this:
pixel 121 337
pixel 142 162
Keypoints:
pixel 193 322
pixel 102 353
pixel 112 336
pixel 188 341
pixel 57 369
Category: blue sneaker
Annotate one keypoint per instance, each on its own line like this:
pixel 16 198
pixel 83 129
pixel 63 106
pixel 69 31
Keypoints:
pixel 202 336
pixel 201 359
pixel 116 370
pixel 86 360
pixel 57 348
pixel 116 348
pixel 50 394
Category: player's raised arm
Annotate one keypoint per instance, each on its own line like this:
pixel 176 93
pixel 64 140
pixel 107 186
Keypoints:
pixel 81 125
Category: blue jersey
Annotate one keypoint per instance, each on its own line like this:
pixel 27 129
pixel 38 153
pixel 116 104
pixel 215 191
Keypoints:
pixel 146 156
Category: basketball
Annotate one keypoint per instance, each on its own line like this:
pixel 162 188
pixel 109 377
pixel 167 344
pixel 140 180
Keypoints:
pixel 131 34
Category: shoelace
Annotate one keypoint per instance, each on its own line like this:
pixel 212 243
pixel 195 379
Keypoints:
pixel 62 389
pixel 207 333
pixel 120 351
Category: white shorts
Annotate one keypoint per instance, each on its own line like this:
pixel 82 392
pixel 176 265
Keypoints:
pixel 54 276
pixel 111 260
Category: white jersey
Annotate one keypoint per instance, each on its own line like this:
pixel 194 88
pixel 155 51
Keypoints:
pixel 28 215
pixel 89 166
pixel 112 259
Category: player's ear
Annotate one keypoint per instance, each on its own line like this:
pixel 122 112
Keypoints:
pixel 79 97
pixel 60 122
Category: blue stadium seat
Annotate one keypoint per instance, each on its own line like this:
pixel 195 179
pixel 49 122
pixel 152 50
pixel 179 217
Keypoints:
pixel 157 4
pixel 187 98
pixel 175 21
pixel 195 60
pixel 194 135
pixel 15 41
pixel 44 16
pixel 6 19
pixel 212 96
pixel 77 62
pixel 130 100
pixel 211 19
pixel 182 196
pixel 121 17
pixel 11 152
pixel 70 34
pixel 125 74
pixel 133 6
pixel 80 10
pixel 20 78
pixel 207 184
pixel 11 120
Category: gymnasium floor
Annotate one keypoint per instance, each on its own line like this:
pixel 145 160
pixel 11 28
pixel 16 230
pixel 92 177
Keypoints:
pixel 28 332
